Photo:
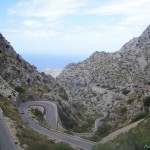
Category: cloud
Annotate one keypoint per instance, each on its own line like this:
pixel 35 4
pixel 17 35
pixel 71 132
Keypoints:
pixel 123 7
pixel 41 13
pixel 32 23
pixel 77 25
pixel 30 34
pixel 132 13
pixel 41 24
pixel 45 13
pixel 48 9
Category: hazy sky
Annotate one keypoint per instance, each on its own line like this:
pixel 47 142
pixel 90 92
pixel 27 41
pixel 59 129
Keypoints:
pixel 71 27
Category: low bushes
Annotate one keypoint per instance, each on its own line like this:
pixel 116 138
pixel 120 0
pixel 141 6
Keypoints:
pixel 139 116
pixel 36 141
pixel 135 139
pixel 19 89
pixel 103 130
pixel 147 101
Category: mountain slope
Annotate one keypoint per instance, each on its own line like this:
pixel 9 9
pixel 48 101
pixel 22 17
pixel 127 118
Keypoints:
pixel 114 84
pixel 20 81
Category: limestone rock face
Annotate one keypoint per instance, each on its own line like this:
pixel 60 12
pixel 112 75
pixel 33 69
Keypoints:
pixel 7 91
pixel 53 72
pixel 20 80
pixel 112 84
pixel 108 82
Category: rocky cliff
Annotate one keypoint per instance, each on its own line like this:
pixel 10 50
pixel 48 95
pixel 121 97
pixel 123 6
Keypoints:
pixel 20 81
pixel 113 84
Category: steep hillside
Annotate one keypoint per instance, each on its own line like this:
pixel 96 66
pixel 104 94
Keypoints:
pixel 136 139
pixel 20 81
pixel 113 84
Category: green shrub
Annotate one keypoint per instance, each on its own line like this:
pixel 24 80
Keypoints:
pixel 19 89
pixel 147 101
pixel 67 121
pixel 135 139
pixel 36 141
pixel 103 130
pixel 25 134
pixel 9 110
pixel 62 146
pixel 68 132
pixel 39 117
pixel 125 91
pixel 130 101
pixel 95 138
pixel 38 113
pixel 85 127
pixel 139 116
pixel 123 110
pixel 63 94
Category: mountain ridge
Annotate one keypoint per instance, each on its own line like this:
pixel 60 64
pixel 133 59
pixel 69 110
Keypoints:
pixel 113 85
pixel 21 82
pixel 105 82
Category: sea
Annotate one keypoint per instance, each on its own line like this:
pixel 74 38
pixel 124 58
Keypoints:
pixel 42 61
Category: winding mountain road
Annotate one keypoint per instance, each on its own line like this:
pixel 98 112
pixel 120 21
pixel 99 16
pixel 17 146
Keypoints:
pixel 52 118
pixel 50 110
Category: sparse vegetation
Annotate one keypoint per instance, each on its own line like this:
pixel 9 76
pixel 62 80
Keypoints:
pixel 130 101
pixel 36 141
pixel 25 134
pixel 103 130
pixel 135 139
pixel 95 138
pixel 89 122
pixel 147 101
pixel 63 94
pixel 39 116
pixel 19 89
pixel 67 121
pixel 123 110
pixel 125 91
pixel 9 110
pixel 139 116
pixel 68 132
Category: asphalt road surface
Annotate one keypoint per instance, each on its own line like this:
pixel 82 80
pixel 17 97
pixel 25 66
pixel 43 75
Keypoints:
pixel 50 110
pixel 6 142
pixel 52 117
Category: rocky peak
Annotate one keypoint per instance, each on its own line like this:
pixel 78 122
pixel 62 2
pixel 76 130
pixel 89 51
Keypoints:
pixel 20 81
pixel 108 80
pixel 146 33
pixel 18 76
pixel 138 44
pixel 6 48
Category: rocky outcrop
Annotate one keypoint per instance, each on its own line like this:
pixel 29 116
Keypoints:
pixel 22 82
pixel 111 83
pixel 53 72
pixel 7 91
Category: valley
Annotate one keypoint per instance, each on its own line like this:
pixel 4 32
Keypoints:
pixel 95 101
